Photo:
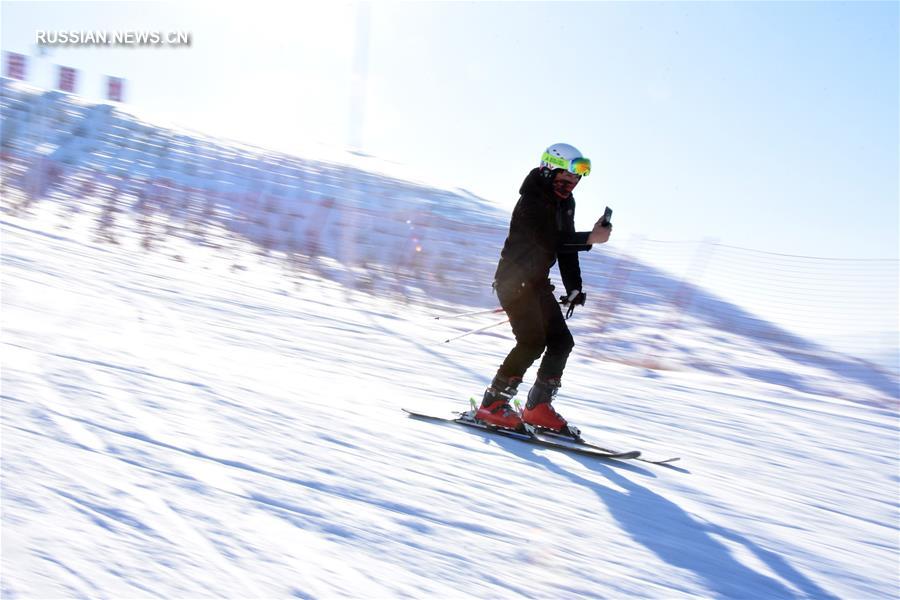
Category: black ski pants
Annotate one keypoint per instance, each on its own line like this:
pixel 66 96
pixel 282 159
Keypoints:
pixel 538 324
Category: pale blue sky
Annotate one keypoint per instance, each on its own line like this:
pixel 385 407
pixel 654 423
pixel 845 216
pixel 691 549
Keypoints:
pixel 767 125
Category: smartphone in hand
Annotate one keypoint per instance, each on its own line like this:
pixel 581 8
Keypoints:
pixel 606 219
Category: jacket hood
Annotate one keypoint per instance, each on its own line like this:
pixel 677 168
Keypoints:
pixel 537 183
pixel 534 182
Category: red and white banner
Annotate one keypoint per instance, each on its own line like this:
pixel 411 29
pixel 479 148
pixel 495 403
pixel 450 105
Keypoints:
pixel 16 65
pixel 68 79
pixel 114 88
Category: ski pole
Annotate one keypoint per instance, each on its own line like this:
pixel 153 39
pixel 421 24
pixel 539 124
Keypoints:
pixel 564 302
pixel 471 314
pixel 493 310
pixel 480 329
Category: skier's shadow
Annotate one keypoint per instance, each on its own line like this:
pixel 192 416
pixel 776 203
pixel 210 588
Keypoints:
pixel 680 539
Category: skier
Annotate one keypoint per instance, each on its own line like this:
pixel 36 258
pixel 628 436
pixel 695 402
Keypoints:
pixel 541 232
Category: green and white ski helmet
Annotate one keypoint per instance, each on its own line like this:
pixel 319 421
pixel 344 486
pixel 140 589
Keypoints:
pixel 567 158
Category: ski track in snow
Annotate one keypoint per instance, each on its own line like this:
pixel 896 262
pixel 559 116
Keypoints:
pixel 185 431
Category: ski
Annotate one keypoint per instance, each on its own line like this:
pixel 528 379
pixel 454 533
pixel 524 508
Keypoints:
pixel 577 437
pixel 559 442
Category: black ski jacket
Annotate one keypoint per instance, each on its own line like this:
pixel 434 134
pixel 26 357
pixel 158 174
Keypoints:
pixel 542 231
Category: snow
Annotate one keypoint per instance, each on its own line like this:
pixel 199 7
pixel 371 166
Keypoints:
pixel 203 419
pixel 182 429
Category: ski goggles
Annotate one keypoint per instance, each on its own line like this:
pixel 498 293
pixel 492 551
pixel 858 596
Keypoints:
pixel 578 166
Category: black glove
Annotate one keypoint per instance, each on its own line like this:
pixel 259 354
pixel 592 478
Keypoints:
pixel 577 297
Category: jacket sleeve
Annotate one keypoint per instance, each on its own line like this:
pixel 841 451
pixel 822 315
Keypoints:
pixel 573 242
pixel 570 271
pixel 570 243
pixel 570 240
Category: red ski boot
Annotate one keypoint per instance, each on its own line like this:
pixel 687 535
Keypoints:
pixel 495 409
pixel 539 409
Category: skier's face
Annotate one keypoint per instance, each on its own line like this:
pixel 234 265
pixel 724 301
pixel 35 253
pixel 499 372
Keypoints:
pixel 564 183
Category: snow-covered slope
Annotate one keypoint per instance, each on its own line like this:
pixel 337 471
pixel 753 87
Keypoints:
pixel 362 226
pixel 182 429
pixel 185 415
